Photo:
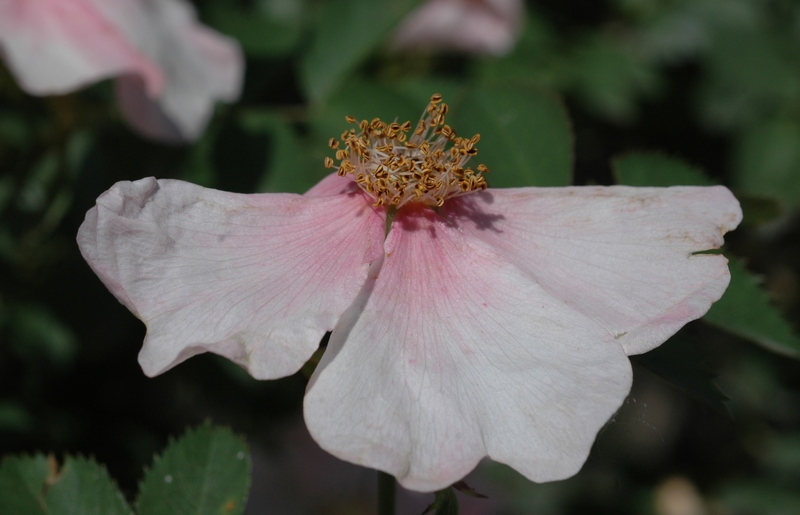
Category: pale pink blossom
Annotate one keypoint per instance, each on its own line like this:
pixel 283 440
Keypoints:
pixel 474 26
pixel 484 323
pixel 170 69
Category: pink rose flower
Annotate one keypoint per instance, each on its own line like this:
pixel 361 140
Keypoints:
pixel 485 322
pixel 170 69
pixel 474 26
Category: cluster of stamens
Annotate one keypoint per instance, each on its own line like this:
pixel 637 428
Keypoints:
pixel 396 169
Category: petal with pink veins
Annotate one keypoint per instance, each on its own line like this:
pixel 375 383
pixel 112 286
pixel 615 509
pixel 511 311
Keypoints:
pixel 452 353
pixel 258 279
pixel 332 184
pixel 58 46
pixel 170 68
pixel 623 257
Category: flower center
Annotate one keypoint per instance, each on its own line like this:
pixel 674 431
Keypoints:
pixel 395 169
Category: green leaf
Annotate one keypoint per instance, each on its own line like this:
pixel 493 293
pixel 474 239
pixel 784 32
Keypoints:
pixel 445 503
pixel 39 335
pixel 656 170
pixel 82 486
pixel 260 35
pixel 767 161
pixel 21 484
pixel 34 485
pixel 206 471
pixel 533 61
pixel 745 310
pixel 526 138
pixel 347 32
pixel 609 78
pixel 677 362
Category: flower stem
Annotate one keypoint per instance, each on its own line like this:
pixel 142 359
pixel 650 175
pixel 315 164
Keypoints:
pixel 386 493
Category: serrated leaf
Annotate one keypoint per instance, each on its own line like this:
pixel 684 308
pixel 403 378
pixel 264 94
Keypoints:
pixel 21 481
pixel 656 170
pixel 35 485
pixel 526 137
pixel 82 486
pixel 746 310
pixel 677 362
pixel 347 32
pixel 205 472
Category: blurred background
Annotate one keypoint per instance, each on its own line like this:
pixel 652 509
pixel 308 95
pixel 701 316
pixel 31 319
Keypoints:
pixel 690 91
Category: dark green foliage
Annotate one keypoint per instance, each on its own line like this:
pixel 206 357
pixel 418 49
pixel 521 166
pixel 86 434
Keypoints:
pixel 38 485
pixel 207 471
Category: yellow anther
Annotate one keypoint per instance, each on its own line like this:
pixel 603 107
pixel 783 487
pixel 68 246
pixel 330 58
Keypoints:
pixel 396 166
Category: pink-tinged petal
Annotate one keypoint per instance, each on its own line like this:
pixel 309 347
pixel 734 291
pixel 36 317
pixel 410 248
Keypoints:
pixel 258 279
pixel 450 354
pixel 332 184
pixel 201 67
pixel 623 257
pixel 58 46
pixel 474 26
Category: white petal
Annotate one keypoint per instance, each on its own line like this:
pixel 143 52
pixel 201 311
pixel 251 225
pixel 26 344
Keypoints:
pixel 451 354
pixel 256 278
pixel 171 69
pixel 201 67
pixel 481 27
pixel 54 47
pixel 622 256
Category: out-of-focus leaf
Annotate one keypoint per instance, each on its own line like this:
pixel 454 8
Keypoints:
pixel 260 34
pixel 206 471
pixel 656 170
pixel 758 209
pixel 347 32
pixel 288 168
pixel 533 61
pixel 611 78
pixel 13 129
pixel 678 362
pixel 38 334
pixel 35 485
pixel 14 417
pixel 33 196
pixel 782 455
pixel 419 90
pixel 6 190
pixel 768 161
pixel 526 138
pixel 758 496
pixel 745 310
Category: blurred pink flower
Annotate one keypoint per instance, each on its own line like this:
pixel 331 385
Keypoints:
pixel 485 323
pixel 170 69
pixel 474 26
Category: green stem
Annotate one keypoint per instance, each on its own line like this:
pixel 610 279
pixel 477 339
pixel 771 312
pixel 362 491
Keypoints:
pixel 386 493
